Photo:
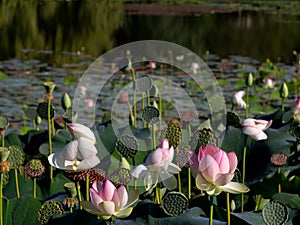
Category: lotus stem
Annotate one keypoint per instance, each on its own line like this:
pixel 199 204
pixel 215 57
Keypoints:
pixel 1 198
pixel 282 104
pixel 211 212
pixel 148 98
pixel 154 137
pixel 244 172
pixel 179 182
pixel 17 183
pixel 79 194
pixel 34 187
pixel 50 135
pixel 160 111
pixel 247 103
pixel 228 208
pixel 157 195
pixel 279 179
pixel 189 183
pixel 87 187
pixel 134 97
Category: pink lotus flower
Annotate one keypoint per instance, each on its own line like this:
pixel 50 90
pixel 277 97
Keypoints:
pixel 158 167
pixel 238 99
pixel 254 128
pixel 89 102
pixel 295 108
pixel 214 170
pixel 152 65
pixel 80 154
pixel 109 202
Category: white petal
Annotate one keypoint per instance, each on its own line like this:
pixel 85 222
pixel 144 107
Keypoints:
pixel 172 168
pixel 107 207
pixel 124 213
pixel 150 180
pixel 133 197
pixel 170 182
pixel 139 171
pixel 79 130
pixel 86 148
pixel 122 197
pixel 88 163
pixel 89 207
pixel 235 188
pixel 69 152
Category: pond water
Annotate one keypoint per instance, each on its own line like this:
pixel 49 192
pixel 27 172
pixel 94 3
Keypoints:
pixel 58 40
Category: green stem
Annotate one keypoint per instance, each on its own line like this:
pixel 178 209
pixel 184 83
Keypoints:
pixel 50 136
pixel 17 183
pixel 34 187
pixel 160 111
pixel 228 208
pixel 1 196
pixel 79 194
pixel 282 104
pixel 179 182
pixel 189 183
pixel 134 97
pixel 279 179
pixel 247 103
pixel 211 210
pixel 244 172
pixel 157 195
pixel 87 187
pixel 154 137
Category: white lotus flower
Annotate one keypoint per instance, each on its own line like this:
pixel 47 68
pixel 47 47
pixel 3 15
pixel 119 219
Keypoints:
pixel 238 99
pixel 158 167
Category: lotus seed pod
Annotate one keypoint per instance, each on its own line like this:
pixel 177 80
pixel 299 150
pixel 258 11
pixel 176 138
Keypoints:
pixel 233 119
pixel 249 80
pixel 279 159
pixel 4 153
pixel 70 202
pixel 150 114
pixel 49 209
pixel 66 101
pixel 49 86
pixel 174 203
pixel 275 213
pixel 182 157
pixel 16 156
pixel 31 113
pixel 43 110
pixel 70 189
pixel 34 168
pixel 283 91
pixel 202 137
pixel 126 146
pixel 173 133
pixel 3 122
pixel 76 176
pixel 96 175
pixel 120 176
pixel 143 84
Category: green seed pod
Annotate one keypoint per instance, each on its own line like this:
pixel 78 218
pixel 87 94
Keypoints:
pixel 174 203
pixel 202 138
pixel 173 133
pixel 127 146
pixel 66 101
pixel 275 213
pixel 70 189
pixel 31 113
pixel 16 156
pixel 3 122
pixel 49 86
pixel 38 119
pixel 283 91
pixel 49 209
pixel 143 84
pixel 150 114
pixel 43 110
pixel 120 176
pixel 249 80
pixel 4 153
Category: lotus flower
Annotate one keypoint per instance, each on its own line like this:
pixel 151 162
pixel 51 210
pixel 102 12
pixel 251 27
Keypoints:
pixel 158 167
pixel 214 170
pixel 109 202
pixel 295 108
pixel 254 128
pixel 80 154
pixel 238 99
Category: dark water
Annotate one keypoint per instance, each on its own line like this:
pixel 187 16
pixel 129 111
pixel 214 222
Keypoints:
pixel 97 26
pixel 57 40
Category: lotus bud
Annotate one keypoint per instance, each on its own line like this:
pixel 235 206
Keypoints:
pixel 38 119
pixel 49 86
pixel 66 101
pixel 125 64
pixel 249 80
pixel 284 91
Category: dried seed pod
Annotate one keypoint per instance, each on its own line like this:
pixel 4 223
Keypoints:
pixel 150 114
pixel 120 176
pixel 96 175
pixel 49 209
pixel 34 168
pixel 279 159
